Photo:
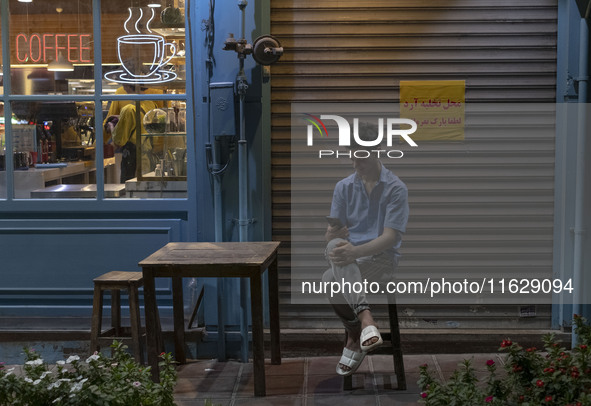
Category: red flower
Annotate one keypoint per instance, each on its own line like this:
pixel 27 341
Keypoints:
pixel 531 349
pixel 162 353
pixel 517 368
pixel 521 398
pixel 490 362
pixel 506 343
pixel 488 399
pixel 548 398
pixel 549 370
pixel 423 394
pixel 574 374
pixel 539 383
pixel 583 347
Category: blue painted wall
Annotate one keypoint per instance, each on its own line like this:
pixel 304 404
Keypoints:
pixel 225 67
pixel 569 54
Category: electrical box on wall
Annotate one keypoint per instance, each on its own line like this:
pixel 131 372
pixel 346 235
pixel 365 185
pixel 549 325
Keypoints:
pixel 222 109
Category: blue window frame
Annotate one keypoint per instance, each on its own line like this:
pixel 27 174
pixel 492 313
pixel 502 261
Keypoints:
pixel 101 201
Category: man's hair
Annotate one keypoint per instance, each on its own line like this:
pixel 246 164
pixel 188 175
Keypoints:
pixel 367 132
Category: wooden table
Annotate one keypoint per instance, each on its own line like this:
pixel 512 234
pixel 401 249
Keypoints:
pixel 216 260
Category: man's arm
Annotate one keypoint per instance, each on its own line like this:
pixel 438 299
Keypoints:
pixel 345 253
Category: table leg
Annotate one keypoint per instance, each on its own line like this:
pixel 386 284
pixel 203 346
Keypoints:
pixel 97 317
pixel 258 348
pixel 274 313
pixel 152 332
pixel 179 319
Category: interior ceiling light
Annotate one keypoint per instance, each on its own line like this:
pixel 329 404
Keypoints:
pixel 25 1
pixel 152 4
pixel 61 64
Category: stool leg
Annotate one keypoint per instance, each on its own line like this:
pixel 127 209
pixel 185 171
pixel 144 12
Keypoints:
pixel 347 380
pixel 396 344
pixel 135 321
pixel 97 316
pixel 116 311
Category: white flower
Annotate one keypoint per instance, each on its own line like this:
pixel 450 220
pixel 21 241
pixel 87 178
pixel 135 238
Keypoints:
pixel 77 387
pixel 57 400
pixel 61 362
pixel 9 372
pixel 37 382
pixel 44 374
pixel 29 380
pixel 137 384
pixel 35 362
pixel 72 358
pixel 93 357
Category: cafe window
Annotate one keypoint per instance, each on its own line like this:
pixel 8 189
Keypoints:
pixel 58 118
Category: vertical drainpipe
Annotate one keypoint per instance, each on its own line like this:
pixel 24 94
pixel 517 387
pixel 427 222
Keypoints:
pixel 579 231
pixel 243 221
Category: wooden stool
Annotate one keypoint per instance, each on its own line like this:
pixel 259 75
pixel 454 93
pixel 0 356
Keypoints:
pixel 395 348
pixel 116 281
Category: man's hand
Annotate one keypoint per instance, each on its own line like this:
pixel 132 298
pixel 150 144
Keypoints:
pixel 343 254
pixel 336 232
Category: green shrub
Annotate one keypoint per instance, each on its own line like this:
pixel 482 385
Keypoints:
pixel 99 380
pixel 533 378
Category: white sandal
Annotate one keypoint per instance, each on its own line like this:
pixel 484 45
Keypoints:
pixel 350 359
pixel 368 333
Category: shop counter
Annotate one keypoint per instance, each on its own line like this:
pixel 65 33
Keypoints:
pixel 82 172
pixel 77 191
pixel 163 188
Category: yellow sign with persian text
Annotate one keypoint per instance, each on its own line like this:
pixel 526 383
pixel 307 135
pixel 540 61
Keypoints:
pixel 437 106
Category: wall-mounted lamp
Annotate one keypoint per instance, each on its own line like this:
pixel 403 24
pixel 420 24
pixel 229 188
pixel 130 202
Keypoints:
pixel 25 1
pixel 154 4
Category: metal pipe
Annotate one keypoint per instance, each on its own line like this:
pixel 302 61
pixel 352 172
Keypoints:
pixel 243 186
pixel 579 231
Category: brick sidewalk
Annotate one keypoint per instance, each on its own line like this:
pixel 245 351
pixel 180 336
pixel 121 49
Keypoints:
pixel 313 381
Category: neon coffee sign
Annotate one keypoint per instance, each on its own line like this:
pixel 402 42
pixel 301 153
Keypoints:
pixel 44 48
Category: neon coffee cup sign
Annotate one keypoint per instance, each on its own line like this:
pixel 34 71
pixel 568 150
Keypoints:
pixel 142 56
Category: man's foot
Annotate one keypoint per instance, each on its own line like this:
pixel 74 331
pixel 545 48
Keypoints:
pixel 352 344
pixel 349 362
pixel 370 336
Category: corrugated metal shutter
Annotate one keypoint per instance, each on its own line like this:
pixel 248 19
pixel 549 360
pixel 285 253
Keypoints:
pixel 474 205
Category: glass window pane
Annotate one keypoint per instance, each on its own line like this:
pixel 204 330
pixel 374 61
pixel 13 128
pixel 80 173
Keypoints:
pixel 143 46
pixel 1 62
pixel 2 154
pixel 51 47
pixel 54 150
pixel 153 162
